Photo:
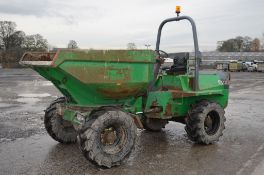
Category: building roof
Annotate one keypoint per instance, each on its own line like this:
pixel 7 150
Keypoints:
pixel 232 55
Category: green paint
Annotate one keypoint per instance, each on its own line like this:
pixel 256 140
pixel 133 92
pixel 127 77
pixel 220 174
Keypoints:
pixel 70 115
pixel 211 88
pixel 120 77
pixel 91 81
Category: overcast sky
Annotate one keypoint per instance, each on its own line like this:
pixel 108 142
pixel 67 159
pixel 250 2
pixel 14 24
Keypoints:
pixel 102 24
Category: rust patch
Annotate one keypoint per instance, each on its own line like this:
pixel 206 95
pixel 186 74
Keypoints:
pixel 100 74
pixel 38 56
pixel 171 88
pixel 191 82
pixel 154 103
pixel 55 58
pixel 118 92
pixel 181 94
pixel 168 111
pixel 153 109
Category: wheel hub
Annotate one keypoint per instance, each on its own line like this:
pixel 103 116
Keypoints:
pixel 108 136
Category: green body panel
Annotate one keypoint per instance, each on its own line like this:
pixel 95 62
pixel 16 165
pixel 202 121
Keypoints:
pixel 174 95
pixel 97 78
pixel 91 79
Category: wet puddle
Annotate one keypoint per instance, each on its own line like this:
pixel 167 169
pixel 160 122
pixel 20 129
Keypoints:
pixel 34 95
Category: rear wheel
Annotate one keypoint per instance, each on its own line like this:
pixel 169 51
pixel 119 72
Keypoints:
pixel 107 137
pixel 58 128
pixel 205 123
pixel 154 124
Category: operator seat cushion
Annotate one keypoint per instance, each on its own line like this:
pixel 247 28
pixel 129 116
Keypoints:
pixel 179 63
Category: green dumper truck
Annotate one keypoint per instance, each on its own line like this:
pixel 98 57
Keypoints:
pixel 107 94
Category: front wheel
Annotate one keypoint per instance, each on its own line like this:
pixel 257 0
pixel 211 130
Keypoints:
pixel 107 137
pixel 205 123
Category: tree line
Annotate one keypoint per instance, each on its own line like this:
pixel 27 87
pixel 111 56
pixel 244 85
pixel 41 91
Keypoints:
pixel 13 43
pixel 240 44
pixel 11 38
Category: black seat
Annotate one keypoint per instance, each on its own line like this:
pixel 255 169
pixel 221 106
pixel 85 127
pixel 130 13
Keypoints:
pixel 179 63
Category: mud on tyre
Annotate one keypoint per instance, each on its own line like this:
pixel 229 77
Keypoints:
pixel 58 128
pixel 107 137
pixel 205 122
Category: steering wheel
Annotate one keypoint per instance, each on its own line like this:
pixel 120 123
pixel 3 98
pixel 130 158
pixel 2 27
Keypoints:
pixel 162 54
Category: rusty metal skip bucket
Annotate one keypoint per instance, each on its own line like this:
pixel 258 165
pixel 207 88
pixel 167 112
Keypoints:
pixel 95 77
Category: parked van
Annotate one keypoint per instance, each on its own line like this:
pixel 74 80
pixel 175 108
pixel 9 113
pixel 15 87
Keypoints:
pixel 235 66
pixel 260 67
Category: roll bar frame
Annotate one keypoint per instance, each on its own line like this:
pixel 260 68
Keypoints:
pixel 196 46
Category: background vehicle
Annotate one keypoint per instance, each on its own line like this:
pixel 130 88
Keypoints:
pixel 260 67
pixel 251 69
pixel 235 66
pixel 244 66
pixel 222 66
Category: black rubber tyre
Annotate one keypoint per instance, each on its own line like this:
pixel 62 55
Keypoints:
pixel 153 124
pixel 59 129
pixel 93 137
pixel 205 123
